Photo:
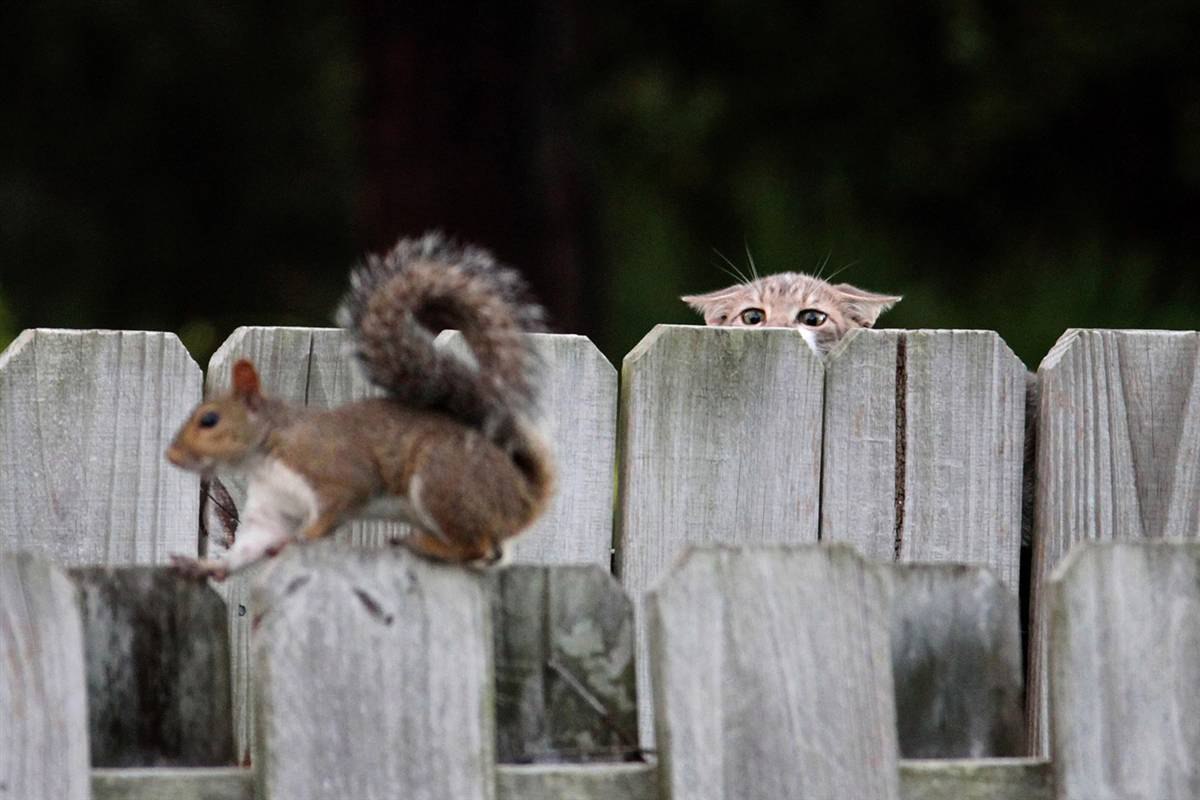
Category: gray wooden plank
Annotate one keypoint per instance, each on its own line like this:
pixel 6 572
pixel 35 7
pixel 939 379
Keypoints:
pixel 43 700
pixel 772 676
pixel 984 779
pixel 963 456
pixel 1124 677
pixel 374 672
pixel 157 654
pixel 956 660
pixel 1118 456
pixel 84 419
pixel 564 666
pixel 577 782
pixel 991 779
pixel 579 413
pixel 720 440
pixel 211 783
pixel 858 478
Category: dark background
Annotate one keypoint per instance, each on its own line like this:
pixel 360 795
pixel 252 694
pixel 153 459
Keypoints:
pixel 194 166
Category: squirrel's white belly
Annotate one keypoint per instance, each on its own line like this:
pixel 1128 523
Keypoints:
pixel 389 507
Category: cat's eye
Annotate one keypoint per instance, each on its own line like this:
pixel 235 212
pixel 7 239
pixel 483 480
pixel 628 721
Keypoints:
pixel 209 419
pixel 753 316
pixel 812 318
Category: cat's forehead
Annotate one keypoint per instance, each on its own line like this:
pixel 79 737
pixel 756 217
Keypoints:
pixel 793 287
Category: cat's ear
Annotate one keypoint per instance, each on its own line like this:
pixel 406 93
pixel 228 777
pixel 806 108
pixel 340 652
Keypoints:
pixel 864 307
pixel 716 307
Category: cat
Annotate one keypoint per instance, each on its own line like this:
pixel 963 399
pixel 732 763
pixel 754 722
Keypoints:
pixel 823 312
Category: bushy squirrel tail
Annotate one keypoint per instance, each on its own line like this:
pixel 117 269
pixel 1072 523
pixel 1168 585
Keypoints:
pixel 398 303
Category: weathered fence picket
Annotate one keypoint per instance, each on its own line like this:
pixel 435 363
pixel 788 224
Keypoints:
pixel 1125 677
pixel 963 459
pixel 84 419
pixel 43 699
pixel 858 470
pixel 956 662
pixel 772 676
pixel 1118 457
pixel 374 675
pixel 720 442
pixel 157 654
pixel 564 666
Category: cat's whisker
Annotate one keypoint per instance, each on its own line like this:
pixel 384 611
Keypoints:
pixel 840 270
pixel 736 273
pixel 821 267
pixel 750 258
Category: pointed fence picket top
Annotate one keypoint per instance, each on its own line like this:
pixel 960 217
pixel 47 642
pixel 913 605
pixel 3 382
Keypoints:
pixel 720 433
pixel 1118 456
pixel 923 448
pixel 772 676
pixel 43 693
pixel 956 660
pixel 1125 679
pixel 964 420
pixel 85 417
pixel 374 677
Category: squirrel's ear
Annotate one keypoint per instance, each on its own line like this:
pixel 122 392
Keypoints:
pixel 245 382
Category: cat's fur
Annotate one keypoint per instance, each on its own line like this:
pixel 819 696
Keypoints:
pixel 785 300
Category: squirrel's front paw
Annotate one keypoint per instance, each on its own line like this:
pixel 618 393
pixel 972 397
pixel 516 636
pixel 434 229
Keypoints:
pixel 199 568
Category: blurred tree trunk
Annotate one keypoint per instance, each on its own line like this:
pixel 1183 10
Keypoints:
pixel 467 127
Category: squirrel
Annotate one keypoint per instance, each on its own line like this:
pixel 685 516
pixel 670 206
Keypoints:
pixel 450 449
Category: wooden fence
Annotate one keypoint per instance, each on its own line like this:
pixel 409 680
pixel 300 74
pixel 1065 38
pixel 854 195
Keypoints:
pixel 774 664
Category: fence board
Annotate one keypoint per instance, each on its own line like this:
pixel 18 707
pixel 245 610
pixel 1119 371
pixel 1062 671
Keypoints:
pixel 1118 455
pixel 772 676
pixel 964 420
pixel 374 672
pixel 213 783
pixel 956 659
pixel 720 440
pixel 577 782
pixel 858 480
pixel 84 419
pixel 43 705
pixel 1125 680
pixel 564 666
pixel 157 655
pixel 579 406
pixel 985 779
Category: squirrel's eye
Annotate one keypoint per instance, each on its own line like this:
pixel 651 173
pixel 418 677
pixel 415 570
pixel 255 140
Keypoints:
pixel 209 419
pixel 753 316
pixel 812 318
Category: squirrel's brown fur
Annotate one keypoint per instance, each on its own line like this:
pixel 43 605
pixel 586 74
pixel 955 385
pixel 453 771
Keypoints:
pixel 449 450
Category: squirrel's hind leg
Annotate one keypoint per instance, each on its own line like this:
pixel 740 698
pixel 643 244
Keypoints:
pixel 429 546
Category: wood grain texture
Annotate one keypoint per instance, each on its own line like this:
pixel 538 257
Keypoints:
pixel 564 666
pixel 43 700
pixel 212 783
pixel 956 660
pixel 1118 456
pixel 772 676
pixel 964 451
pixel 858 480
pixel 579 413
pixel 157 650
pixel 983 779
pixel 374 677
pixel 84 419
pixel 1124 676
pixel 706 454
pixel 577 782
